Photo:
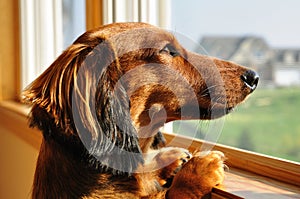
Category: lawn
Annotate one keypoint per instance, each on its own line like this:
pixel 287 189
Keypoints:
pixel 268 122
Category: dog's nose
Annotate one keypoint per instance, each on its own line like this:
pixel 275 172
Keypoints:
pixel 250 78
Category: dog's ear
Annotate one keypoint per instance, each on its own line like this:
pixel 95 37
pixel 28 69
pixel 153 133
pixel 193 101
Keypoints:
pixel 81 95
pixel 101 106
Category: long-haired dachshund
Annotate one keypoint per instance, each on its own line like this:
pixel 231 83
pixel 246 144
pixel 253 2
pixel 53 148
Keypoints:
pixel 100 106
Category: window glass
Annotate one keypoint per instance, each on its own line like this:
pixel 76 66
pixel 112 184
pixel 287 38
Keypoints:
pixel 73 20
pixel 263 35
pixel 47 28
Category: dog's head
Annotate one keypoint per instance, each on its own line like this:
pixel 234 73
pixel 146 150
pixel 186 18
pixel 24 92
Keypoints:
pixel 121 82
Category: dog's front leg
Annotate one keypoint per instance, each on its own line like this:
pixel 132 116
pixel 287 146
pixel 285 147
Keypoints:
pixel 198 176
pixel 159 169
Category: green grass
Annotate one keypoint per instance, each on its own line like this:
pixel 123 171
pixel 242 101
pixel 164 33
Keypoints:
pixel 268 122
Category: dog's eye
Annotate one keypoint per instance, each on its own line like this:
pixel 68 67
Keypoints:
pixel 171 50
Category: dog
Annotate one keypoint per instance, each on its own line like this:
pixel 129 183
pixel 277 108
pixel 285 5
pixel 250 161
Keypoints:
pixel 100 106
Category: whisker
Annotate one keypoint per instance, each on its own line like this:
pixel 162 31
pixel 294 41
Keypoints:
pixel 206 91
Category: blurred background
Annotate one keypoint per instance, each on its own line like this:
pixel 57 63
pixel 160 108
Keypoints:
pixel 263 35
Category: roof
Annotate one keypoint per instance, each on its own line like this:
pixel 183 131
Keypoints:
pixel 222 47
pixel 225 47
pixel 287 55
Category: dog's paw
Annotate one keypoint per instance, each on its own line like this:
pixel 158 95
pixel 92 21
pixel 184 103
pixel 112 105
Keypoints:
pixel 198 176
pixel 170 160
pixel 211 167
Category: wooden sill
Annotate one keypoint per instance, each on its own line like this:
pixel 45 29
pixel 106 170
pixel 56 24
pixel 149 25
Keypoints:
pixel 243 184
pixel 250 175
pixel 13 116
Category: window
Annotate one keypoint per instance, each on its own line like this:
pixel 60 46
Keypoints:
pixel 268 121
pixel 73 20
pixel 47 27
pixel 150 11
pixel 263 124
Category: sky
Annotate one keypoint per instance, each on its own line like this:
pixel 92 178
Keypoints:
pixel 277 21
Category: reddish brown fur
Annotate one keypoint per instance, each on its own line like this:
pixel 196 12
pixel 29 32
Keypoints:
pixel 131 64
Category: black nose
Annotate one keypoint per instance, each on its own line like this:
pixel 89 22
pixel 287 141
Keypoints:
pixel 250 78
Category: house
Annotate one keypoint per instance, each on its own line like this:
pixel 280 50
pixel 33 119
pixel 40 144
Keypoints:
pixel 276 67
pixel 286 67
pixel 250 51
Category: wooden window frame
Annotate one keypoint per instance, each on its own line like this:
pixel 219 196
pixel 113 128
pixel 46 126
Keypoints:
pixel 10 50
pixel 269 170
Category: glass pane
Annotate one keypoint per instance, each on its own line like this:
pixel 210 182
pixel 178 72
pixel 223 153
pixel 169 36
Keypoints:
pixel 73 20
pixel 263 35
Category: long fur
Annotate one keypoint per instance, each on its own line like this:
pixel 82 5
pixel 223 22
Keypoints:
pixel 93 61
pixel 101 103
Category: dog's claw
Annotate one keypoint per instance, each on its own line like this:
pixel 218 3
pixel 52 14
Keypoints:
pixel 184 160
pixel 187 157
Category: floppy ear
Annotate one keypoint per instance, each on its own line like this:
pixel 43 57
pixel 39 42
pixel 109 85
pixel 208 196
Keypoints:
pixel 78 96
pixel 101 106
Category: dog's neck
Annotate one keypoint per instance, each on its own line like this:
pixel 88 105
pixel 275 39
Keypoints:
pixel 60 175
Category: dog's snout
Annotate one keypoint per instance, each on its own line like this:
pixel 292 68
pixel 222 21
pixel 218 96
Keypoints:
pixel 250 78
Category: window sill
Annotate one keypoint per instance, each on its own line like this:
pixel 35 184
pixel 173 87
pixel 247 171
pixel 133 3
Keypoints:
pixel 14 118
pixel 250 175
pixel 242 184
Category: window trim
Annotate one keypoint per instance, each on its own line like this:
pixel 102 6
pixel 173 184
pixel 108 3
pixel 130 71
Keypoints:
pixel 274 168
pixel 94 13
pixel 9 52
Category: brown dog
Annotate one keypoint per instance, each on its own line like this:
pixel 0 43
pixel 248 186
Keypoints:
pixel 101 103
